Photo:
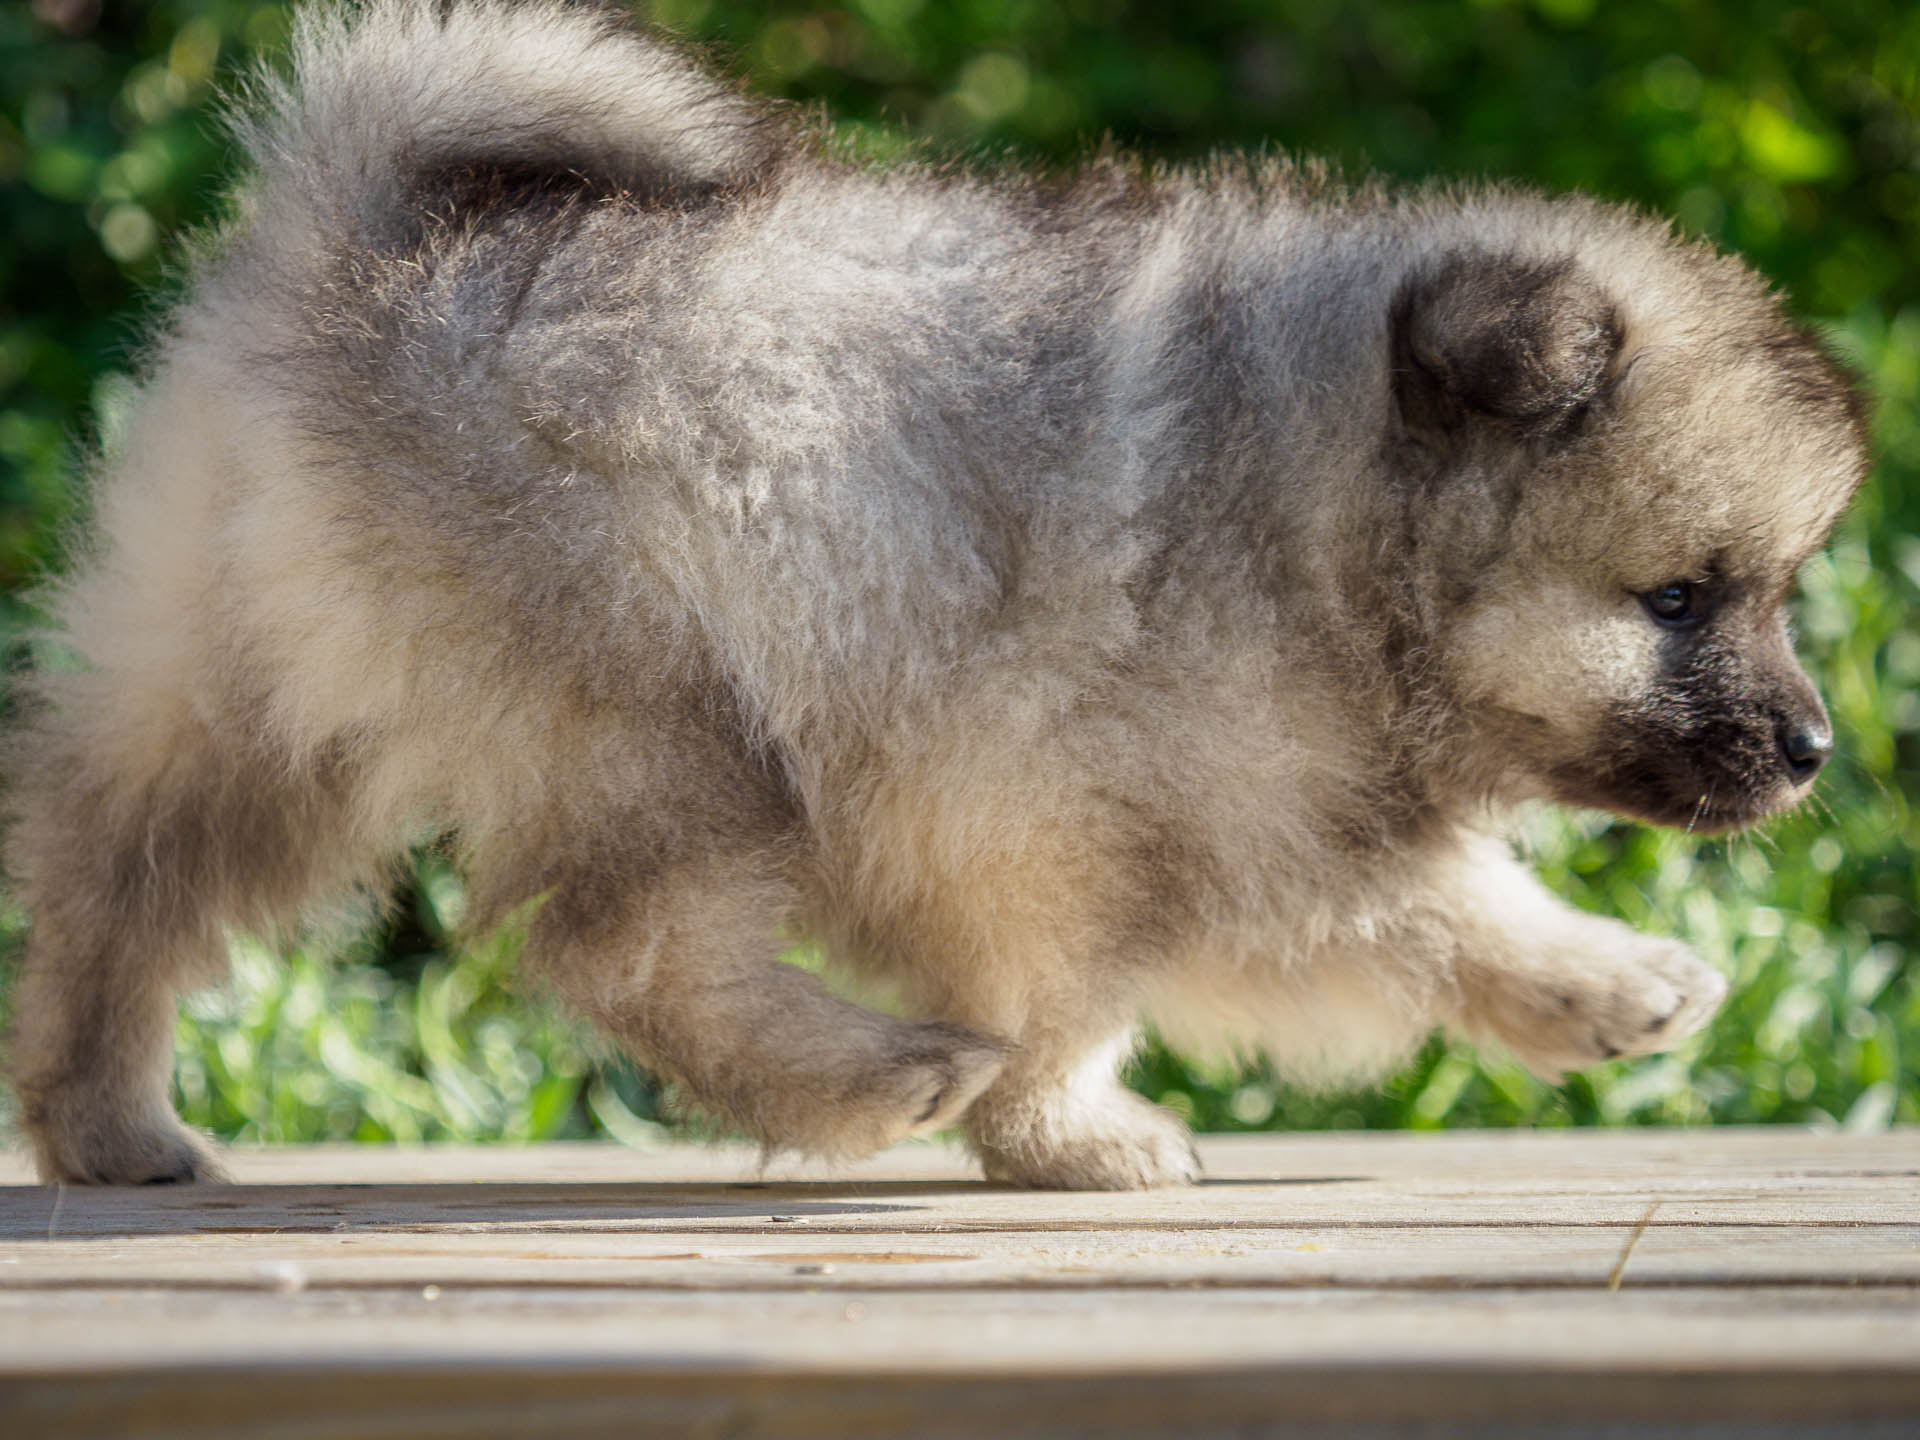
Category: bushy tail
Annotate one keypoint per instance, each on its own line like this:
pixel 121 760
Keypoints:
pixel 388 97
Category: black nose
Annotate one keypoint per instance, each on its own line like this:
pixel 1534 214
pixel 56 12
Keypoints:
pixel 1804 747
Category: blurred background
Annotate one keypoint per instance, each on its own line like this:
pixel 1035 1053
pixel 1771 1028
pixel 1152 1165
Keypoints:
pixel 1790 133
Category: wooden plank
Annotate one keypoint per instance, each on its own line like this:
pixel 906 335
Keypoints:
pixel 620 1402
pixel 1759 1154
pixel 1177 1362
pixel 685 1210
pixel 1593 1178
pixel 1330 1280
pixel 800 1258
pixel 1014 1330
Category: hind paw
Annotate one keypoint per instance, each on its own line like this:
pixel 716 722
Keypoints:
pixel 75 1149
pixel 909 1079
pixel 1121 1143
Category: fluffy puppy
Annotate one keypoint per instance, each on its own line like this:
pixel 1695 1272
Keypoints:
pixel 1072 601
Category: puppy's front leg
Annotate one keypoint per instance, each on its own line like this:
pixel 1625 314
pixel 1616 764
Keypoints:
pixel 1562 989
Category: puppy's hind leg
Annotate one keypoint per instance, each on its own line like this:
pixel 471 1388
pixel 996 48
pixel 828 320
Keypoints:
pixel 680 966
pixel 1058 1117
pixel 136 844
pixel 1028 947
pixel 1061 1120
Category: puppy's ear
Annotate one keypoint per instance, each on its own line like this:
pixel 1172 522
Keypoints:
pixel 1527 343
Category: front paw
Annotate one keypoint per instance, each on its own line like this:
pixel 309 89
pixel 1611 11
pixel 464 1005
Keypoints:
pixel 1637 1003
pixel 1121 1143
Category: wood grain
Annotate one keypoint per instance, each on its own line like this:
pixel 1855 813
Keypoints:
pixel 1331 1281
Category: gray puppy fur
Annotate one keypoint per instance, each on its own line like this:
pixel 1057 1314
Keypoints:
pixel 1133 595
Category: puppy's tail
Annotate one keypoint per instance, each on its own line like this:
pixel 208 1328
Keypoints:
pixel 392 102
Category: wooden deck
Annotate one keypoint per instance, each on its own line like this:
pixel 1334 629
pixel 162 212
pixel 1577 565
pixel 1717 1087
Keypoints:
pixel 1729 1283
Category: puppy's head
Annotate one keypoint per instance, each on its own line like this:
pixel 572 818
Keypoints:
pixel 1623 453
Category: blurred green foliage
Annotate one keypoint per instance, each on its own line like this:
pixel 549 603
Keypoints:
pixel 1790 132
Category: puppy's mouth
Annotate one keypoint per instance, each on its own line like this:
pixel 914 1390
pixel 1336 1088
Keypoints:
pixel 1704 805
pixel 1711 780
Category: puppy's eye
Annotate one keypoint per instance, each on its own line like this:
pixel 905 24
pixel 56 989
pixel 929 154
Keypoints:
pixel 1675 604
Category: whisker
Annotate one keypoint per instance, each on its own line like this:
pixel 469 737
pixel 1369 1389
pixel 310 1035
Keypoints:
pixel 1699 810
